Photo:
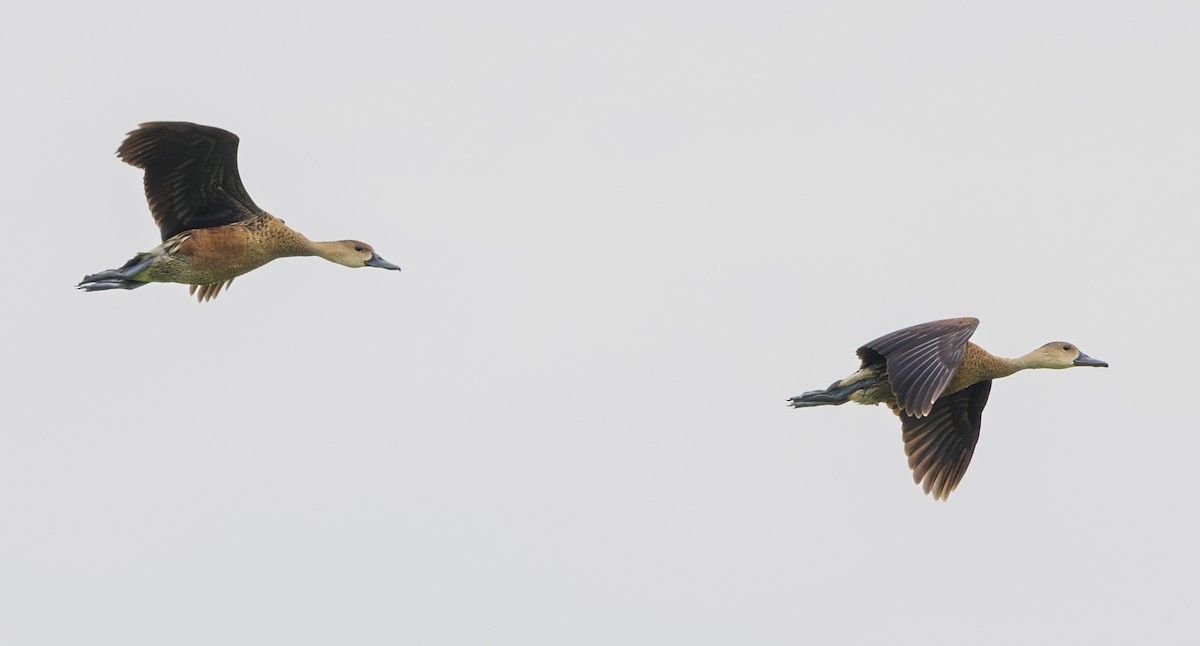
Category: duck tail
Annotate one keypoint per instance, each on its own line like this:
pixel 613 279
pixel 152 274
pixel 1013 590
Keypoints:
pixel 117 278
pixel 835 395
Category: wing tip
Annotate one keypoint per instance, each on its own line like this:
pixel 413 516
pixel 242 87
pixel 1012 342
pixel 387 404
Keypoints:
pixel 140 142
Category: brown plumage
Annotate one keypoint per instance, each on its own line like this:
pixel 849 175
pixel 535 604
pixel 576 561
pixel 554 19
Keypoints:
pixel 212 231
pixel 937 383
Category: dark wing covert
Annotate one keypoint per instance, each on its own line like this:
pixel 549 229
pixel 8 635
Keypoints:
pixel 921 360
pixel 191 177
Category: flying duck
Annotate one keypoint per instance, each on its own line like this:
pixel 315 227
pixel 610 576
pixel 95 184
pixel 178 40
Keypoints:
pixel 212 231
pixel 937 383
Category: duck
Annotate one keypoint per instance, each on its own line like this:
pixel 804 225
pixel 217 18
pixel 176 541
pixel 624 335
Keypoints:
pixel 212 232
pixel 937 382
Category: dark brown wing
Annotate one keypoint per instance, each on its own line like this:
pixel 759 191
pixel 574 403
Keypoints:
pixel 939 446
pixel 921 360
pixel 191 175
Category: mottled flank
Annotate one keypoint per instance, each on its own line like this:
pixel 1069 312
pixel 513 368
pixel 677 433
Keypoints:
pixel 212 231
pixel 937 383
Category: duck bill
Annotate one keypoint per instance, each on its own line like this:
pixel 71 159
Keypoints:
pixel 376 261
pixel 1084 360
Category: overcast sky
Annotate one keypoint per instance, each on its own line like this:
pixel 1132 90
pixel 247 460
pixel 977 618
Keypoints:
pixel 629 231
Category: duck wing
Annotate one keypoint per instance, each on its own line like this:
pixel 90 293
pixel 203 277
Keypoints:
pixel 191 177
pixel 939 446
pixel 920 360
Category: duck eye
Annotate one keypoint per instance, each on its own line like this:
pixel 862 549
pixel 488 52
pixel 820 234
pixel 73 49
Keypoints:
pixel 1067 347
pixel 358 247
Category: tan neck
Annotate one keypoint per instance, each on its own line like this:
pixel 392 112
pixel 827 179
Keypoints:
pixel 277 240
pixel 981 364
pixel 286 242
pixel 325 250
pixel 298 245
pixel 1030 361
pixel 1005 367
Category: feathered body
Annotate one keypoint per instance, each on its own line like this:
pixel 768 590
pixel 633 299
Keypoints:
pixel 977 365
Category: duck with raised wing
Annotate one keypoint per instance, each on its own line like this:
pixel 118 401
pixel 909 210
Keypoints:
pixel 937 383
pixel 212 231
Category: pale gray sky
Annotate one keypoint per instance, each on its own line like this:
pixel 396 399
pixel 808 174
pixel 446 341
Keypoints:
pixel 629 232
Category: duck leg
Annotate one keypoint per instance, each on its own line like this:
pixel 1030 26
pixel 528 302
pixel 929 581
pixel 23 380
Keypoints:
pixel 835 395
pixel 118 278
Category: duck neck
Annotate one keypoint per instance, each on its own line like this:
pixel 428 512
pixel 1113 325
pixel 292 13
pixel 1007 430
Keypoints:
pixel 326 250
pixel 279 240
pixel 1026 362
pixel 993 367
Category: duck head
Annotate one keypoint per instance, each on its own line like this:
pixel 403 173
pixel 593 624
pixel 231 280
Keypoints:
pixel 1061 354
pixel 353 253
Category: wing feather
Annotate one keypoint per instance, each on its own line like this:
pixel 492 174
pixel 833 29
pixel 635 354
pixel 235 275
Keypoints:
pixel 921 360
pixel 191 177
pixel 939 446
